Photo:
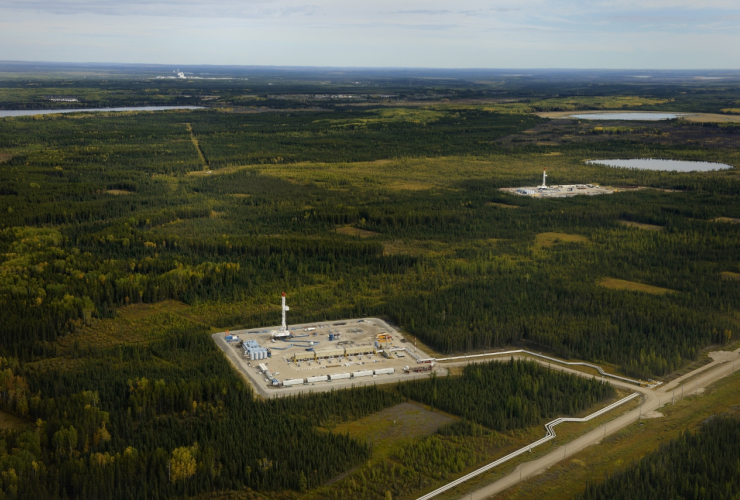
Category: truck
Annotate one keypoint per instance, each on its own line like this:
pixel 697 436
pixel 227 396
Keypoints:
pixel 385 371
pixel 418 369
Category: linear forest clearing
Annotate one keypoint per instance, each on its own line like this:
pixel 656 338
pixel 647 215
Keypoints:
pixel 616 284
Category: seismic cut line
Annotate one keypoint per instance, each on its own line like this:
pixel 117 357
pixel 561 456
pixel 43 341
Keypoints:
pixel 189 128
pixel 550 434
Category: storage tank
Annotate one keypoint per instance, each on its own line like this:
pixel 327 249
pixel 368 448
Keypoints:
pixel 292 381
pixel 362 373
pixel 339 376
pixel 317 378
pixel 385 371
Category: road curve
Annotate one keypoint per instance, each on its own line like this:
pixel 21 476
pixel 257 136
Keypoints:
pixel 550 435
pixel 728 363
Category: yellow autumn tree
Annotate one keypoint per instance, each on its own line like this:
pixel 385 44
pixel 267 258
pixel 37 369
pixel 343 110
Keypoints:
pixel 182 463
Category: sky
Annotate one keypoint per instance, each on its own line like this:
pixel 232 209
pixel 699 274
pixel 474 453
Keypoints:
pixel 618 34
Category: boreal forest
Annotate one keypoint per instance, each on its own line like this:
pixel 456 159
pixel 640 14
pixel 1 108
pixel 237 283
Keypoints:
pixel 128 238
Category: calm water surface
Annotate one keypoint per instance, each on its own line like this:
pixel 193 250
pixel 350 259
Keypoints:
pixel 665 165
pixel 30 112
pixel 626 116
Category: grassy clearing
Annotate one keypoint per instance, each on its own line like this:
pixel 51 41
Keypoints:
pixel 633 286
pixel 119 192
pixel 410 186
pixel 11 422
pixel 401 247
pixel 731 220
pixel 405 421
pixel 546 107
pixel 728 275
pixel 355 231
pixel 4 158
pixel 416 248
pixel 391 115
pixel 195 142
pixel 501 205
pixel 138 323
pixel 401 174
pixel 640 225
pixel 547 240
pixel 567 478
pixel 711 118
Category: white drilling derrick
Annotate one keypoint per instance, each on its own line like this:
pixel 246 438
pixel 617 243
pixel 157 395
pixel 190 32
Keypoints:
pixel 544 176
pixel 283 332
pixel 285 309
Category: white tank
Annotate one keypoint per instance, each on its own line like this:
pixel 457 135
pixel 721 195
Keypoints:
pixel 318 378
pixel 338 376
pixel 362 373
pixel 385 371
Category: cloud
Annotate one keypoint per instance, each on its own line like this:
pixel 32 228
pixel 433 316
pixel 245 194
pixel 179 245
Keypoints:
pixel 425 12
pixel 473 33
pixel 170 8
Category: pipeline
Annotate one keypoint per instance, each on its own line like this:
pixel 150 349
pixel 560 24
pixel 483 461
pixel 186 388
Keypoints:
pixel 554 360
pixel 550 435
pixel 305 343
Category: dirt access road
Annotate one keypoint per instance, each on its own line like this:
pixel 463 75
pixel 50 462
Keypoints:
pixel 724 364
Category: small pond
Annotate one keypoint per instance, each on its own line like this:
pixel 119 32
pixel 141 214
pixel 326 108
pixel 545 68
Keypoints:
pixel 30 112
pixel 664 165
pixel 626 116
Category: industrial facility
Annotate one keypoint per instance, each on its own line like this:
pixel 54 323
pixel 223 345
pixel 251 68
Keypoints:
pixel 353 351
pixel 562 191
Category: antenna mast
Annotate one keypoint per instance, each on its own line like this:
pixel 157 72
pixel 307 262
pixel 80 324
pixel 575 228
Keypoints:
pixel 544 176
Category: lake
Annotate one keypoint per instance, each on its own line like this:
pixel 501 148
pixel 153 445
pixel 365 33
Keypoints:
pixel 626 116
pixel 664 165
pixel 30 112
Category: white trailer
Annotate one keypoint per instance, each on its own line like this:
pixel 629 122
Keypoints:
pixel 339 376
pixel 385 371
pixel 293 381
pixel 317 378
pixel 362 373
